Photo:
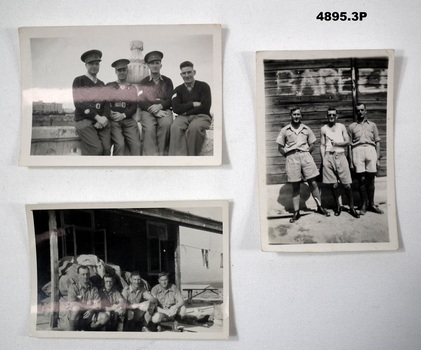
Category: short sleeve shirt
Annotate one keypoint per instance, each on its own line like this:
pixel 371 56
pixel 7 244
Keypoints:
pixel 363 133
pixel 82 293
pixel 166 297
pixel 133 296
pixel 296 139
pixel 109 298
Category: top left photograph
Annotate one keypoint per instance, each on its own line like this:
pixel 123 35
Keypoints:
pixel 148 95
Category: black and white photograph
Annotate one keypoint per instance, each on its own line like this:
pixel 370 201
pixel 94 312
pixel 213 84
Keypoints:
pixel 153 270
pixel 121 95
pixel 325 140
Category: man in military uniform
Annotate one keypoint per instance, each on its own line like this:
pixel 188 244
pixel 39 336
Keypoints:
pixel 140 306
pixel 112 303
pixel 192 102
pixel 365 157
pixel 91 111
pixel 122 98
pixel 155 101
pixel 170 301
pixel 295 142
pixel 84 304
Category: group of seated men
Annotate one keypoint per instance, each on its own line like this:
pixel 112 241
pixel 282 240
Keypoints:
pixel 105 114
pixel 133 309
pixel 296 141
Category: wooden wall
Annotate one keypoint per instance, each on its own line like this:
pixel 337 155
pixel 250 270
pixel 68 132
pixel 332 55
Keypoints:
pixel 315 85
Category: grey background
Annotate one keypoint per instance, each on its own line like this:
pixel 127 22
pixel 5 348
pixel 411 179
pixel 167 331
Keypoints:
pixel 289 301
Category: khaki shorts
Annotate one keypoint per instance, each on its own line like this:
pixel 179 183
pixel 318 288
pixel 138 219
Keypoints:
pixel 335 166
pixel 365 159
pixel 300 166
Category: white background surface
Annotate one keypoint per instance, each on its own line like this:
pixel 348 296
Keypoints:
pixel 278 301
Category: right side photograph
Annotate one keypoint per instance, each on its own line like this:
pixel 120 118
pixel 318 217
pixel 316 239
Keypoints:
pixel 325 150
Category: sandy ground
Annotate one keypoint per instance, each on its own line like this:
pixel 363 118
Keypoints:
pixel 207 308
pixel 315 228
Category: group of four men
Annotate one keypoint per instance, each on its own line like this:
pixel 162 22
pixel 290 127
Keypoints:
pixel 296 141
pixel 134 309
pixel 105 115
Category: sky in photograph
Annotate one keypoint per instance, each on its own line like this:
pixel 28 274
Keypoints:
pixel 56 60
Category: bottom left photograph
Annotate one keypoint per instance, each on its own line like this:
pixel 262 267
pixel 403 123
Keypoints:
pixel 130 270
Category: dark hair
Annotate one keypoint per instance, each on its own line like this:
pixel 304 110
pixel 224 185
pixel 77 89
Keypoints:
pixel 331 109
pixel 82 267
pixel 136 273
pixel 162 274
pixel 186 64
pixel 294 109
pixel 108 275
pixel 359 104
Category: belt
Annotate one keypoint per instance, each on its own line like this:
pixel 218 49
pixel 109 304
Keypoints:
pixel 295 151
pixel 334 152
pixel 119 104
pixel 363 145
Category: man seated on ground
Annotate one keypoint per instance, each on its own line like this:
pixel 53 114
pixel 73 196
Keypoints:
pixel 84 304
pixel 113 304
pixel 140 307
pixel 170 301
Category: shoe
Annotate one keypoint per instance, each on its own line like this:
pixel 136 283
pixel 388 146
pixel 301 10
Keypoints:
pixel 338 211
pixel 322 211
pixel 375 209
pixel 295 217
pixel 146 329
pixel 354 213
pixel 363 209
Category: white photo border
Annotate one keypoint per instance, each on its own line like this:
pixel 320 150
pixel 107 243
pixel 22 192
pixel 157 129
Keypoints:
pixel 132 32
pixel 200 204
pixel 393 243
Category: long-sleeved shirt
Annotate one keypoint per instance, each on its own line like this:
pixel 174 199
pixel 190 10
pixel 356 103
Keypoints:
pixel 151 93
pixel 121 98
pixel 88 98
pixel 182 99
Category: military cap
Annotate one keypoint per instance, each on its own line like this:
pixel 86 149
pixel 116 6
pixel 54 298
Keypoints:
pixel 121 63
pixel 91 55
pixel 153 56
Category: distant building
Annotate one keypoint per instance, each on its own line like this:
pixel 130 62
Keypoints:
pixel 40 107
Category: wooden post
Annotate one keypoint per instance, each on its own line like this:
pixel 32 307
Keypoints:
pixel 354 89
pixel 177 260
pixel 52 226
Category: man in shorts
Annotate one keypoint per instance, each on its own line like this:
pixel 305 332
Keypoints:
pixel 334 139
pixel 295 143
pixel 365 157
